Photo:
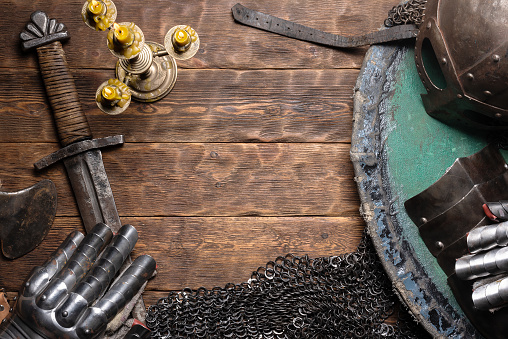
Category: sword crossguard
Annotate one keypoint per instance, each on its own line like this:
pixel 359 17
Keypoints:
pixel 77 148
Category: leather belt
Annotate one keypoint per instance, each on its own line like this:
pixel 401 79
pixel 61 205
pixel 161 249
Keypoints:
pixel 290 29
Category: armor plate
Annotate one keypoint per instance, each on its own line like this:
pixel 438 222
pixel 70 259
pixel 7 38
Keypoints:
pixel 453 207
pixel 464 66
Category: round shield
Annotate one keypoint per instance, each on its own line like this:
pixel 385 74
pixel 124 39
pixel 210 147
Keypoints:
pixel 398 151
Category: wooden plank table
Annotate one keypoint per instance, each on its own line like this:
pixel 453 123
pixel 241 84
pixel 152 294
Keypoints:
pixel 245 160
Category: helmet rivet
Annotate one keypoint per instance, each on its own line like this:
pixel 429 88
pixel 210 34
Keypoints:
pixel 487 93
pixel 423 220
pixel 429 25
pixel 496 58
pixel 470 76
pixel 498 115
pixel 444 61
pixel 439 245
pixel 459 96
pixel 65 314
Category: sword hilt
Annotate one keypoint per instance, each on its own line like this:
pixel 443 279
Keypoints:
pixel 45 35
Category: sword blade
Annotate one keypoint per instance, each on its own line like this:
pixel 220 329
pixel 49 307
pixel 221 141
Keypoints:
pixel 92 190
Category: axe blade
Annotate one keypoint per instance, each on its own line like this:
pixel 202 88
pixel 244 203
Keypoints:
pixel 26 217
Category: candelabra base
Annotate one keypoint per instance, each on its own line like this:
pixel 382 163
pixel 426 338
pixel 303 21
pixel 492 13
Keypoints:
pixel 156 82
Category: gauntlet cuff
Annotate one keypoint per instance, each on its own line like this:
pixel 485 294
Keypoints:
pixel 16 328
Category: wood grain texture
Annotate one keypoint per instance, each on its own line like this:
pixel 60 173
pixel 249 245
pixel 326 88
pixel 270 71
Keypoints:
pixel 196 251
pixel 204 106
pixel 245 160
pixel 223 179
pixel 224 43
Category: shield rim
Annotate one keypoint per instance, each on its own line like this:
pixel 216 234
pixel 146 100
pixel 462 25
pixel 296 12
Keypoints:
pixel 417 291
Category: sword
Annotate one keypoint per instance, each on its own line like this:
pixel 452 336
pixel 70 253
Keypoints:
pixel 81 153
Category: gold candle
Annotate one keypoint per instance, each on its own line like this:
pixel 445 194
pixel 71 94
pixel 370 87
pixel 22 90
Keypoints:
pixel 123 35
pixel 125 40
pixel 182 38
pixel 98 14
pixel 110 95
pixel 114 92
pixel 113 96
pixel 181 42
pixel 96 7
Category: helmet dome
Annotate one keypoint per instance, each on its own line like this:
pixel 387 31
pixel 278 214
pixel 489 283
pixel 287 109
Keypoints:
pixel 461 55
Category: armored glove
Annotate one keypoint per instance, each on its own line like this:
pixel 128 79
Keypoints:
pixel 488 264
pixel 68 296
pixel 497 210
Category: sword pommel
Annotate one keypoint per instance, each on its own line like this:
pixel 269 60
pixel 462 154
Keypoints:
pixel 42 31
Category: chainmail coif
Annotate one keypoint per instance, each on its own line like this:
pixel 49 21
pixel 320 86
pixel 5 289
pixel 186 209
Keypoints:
pixel 347 296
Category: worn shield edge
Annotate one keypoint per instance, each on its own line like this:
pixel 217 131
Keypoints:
pixel 410 280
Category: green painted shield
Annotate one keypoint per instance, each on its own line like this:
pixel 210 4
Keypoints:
pixel 398 150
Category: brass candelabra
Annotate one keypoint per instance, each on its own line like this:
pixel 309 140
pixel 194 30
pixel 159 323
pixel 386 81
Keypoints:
pixel 146 71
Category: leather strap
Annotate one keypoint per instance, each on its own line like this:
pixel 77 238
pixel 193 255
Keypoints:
pixel 290 29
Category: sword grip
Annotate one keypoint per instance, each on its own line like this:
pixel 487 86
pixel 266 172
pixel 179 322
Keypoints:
pixel 70 120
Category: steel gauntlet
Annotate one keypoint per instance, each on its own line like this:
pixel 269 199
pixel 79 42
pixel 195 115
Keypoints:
pixel 68 296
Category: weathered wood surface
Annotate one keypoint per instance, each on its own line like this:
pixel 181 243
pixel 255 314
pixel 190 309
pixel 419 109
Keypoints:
pixel 211 251
pixel 224 43
pixel 223 179
pixel 246 159
pixel 204 106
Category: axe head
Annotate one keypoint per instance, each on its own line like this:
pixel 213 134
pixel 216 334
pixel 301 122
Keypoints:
pixel 26 217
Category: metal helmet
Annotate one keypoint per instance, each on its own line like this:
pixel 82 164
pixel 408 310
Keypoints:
pixel 461 55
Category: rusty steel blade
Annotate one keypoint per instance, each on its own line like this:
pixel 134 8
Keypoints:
pixel 80 152
pixel 91 187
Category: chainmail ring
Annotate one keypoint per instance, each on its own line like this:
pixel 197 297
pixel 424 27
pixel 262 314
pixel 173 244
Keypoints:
pixel 346 296
pixel 410 12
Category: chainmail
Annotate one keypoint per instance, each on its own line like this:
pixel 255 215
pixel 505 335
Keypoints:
pixel 346 296
pixel 410 12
